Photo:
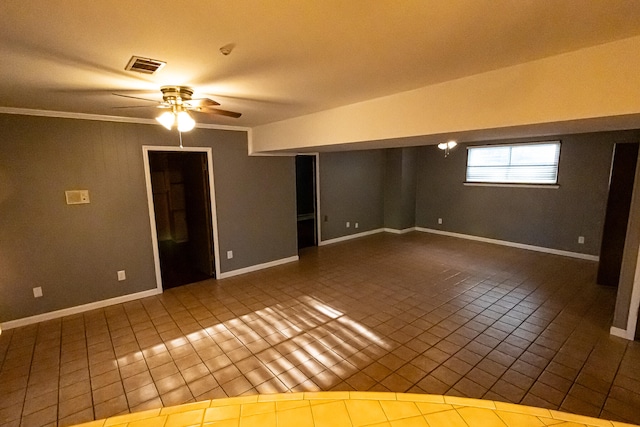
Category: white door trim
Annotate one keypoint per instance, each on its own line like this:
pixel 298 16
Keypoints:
pixel 152 216
pixel 318 214
pixel 634 299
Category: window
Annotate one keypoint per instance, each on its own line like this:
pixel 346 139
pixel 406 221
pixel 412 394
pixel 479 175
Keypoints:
pixel 534 163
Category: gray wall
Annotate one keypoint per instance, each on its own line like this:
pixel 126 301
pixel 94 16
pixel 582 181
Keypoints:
pixel 351 189
pixel 551 218
pixel 255 200
pixel 400 188
pixel 73 252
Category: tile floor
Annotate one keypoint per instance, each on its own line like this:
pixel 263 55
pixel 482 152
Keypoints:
pixel 351 409
pixel 414 313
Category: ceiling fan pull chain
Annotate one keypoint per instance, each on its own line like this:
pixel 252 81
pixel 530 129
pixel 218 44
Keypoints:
pixel 180 134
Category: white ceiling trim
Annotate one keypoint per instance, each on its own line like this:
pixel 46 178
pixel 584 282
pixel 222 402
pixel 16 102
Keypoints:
pixel 105 118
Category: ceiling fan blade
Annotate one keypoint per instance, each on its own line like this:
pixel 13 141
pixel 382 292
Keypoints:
pixel 137 97
pixel 201 102
pixel 221 112
pixel 138 106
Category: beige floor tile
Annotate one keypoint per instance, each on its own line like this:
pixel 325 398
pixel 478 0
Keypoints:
pixel 365 412
pixel 330 414
pixel 480 416
pixel 296 417
pixel 410 422
pixel 514 419
pixel 267 419
pixel 188 418
pixel 395 410
pixel 446 418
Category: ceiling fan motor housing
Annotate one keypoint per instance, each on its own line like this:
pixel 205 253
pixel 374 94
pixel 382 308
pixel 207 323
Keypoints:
pixel 176 94
pixel 179 99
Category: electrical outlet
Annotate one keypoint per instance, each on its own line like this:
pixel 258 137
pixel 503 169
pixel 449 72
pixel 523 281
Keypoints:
pixel 229 254
pixel 122 276
pixel 355 225
pixel 439 220
pixel 37 292
pixel 348 224
pixel 581 240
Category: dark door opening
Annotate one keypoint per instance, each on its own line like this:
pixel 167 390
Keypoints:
pixel 637 335
pixel 614 233
pixel 182 207
pixel 306 201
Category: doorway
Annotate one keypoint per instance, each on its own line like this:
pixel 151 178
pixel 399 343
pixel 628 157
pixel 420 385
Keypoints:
pixel 182 212
pixel 621 180
pixel 306 201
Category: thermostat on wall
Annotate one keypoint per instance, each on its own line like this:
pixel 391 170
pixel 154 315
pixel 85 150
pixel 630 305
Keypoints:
pixel 77 197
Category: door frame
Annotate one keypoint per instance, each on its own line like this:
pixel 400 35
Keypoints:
pixel 317 179
pixel 634 298
pixel 152 216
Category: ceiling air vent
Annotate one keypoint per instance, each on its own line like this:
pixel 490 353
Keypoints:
pixel 144 65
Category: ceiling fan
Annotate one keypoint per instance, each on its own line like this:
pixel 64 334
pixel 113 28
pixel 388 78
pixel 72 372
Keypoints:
pixel 178 100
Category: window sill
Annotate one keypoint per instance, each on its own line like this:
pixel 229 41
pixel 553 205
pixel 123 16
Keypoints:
pixel 499 184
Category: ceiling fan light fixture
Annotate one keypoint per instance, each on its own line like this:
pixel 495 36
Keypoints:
pixel 166 119
pixel 177 100
pixel 185 121
pixel 181 119
pixel 446 146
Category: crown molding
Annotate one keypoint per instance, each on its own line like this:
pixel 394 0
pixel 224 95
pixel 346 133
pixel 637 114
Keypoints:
pixel 105 118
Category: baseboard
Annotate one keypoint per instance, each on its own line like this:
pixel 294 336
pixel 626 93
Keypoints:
pixel 77 309
pixel 621 333
pixel 396 231
pixel 258 267
pixel 351 236
pixel 144 294
pixel 124 298
pixel 511 244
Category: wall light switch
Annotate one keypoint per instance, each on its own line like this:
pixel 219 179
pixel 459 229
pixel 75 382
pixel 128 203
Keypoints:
pixel 355 225
pixel 229 254
pixel 348 224
pixel 37 292
pixel 439 220
pixel 121 276
pixel 581 240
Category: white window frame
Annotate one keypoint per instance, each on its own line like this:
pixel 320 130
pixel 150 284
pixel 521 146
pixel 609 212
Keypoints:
pixel 514 184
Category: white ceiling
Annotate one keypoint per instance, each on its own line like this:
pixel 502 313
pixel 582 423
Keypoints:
pixel 290 58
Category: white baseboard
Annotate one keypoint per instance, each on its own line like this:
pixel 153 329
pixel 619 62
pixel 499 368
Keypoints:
pixel 621 333
pixel 124 298
pixel 511 244
pixel 144 294
pixel 258 267
pixel 77 309
pixel 396 231
pixel 351 236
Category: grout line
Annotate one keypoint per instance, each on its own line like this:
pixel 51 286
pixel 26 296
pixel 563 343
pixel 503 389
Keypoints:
pixel 86 341
pixel 143 359
pixel 60 375
pixel 444 338
pixel 500 286
pixel 26 390
pixel 614 377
